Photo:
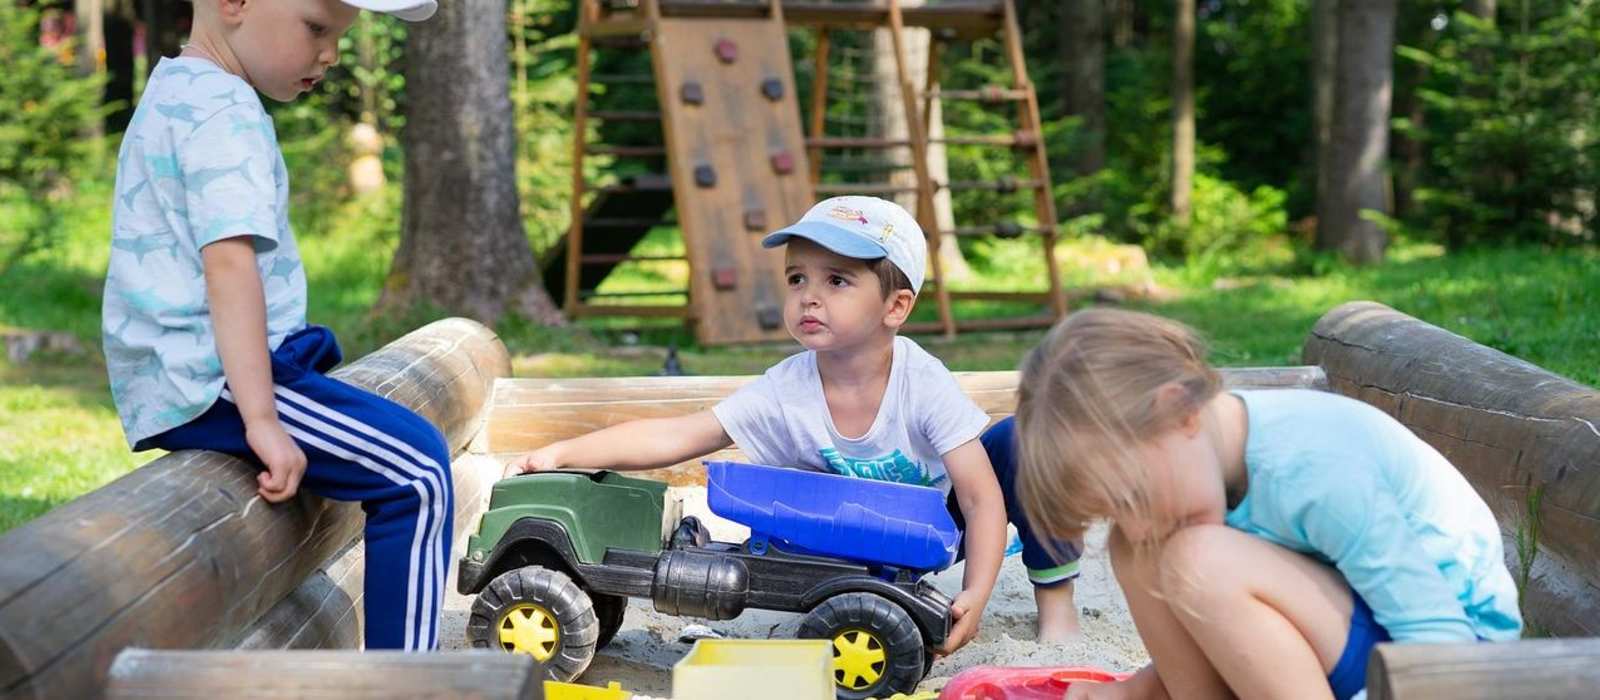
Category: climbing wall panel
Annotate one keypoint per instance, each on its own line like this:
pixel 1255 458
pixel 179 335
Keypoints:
pixel 736 155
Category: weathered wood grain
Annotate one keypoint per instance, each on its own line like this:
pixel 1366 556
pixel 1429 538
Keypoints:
pixel 349 675
pixel 1530 669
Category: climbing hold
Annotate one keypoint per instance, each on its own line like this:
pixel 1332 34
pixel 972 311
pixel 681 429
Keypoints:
pixel 769 317
pixel 1008 229
pixel 772 88
pixel 783 162
pixel 705 176
pixel 993 93
pixel 724 277
pixel 755 220
pixel 1006 184
pixel 727 51
pixel 692 93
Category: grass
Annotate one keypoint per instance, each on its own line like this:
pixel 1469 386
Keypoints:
pixel 59 434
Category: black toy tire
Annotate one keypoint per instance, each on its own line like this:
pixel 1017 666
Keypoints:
pixel 609 610
pixel 573 611
pixel 900 639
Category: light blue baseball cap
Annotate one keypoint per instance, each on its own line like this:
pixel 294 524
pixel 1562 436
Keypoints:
pixel 866 228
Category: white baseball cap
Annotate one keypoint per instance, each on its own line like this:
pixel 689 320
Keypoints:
pixel 408 10
pixel 866 228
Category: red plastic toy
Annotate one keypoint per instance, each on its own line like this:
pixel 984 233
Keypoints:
pixel 1022 682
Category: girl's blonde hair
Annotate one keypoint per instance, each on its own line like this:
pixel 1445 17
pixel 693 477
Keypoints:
pixel 1089 394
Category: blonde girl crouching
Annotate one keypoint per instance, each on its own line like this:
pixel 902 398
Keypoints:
pixel 1265 540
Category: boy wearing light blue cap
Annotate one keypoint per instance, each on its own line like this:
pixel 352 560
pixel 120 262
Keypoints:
pixel 860 401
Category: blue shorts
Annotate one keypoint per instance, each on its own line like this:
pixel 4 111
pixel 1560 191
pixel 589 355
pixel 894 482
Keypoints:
pixel 1349 676
pixel 1048 566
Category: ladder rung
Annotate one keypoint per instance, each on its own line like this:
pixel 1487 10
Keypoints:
pixel 622 78
pixel 622 41
pixel 625 151
pixel 1032 297
pixel 834 189
pixel 991 93
pixel 1000 185
pixel 623 115
pixel 625 223
pixel 613 258
pixel 631 295
pixel 855 142
pixel 1006 230
pixel 1015 140
pixel 863 166
pixel 1019 139
pixel 983 324
pixel 648 182
pixel 658 310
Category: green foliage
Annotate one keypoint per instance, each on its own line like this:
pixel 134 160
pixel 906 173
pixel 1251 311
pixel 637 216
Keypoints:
pixel 1512 126
pixel 46 110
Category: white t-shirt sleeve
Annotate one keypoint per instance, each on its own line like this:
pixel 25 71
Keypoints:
pixel 753 418
pixel 947 417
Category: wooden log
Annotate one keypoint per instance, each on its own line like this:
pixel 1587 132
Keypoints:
pixel 324 612
pixel 1527 439
pixel 1530 669
pixel 181 553
pixel 480 675
pixel 530 413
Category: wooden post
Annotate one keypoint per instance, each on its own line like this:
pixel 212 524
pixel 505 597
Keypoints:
pixel 1527 439
pixel 819 101
pixel 587 14
pixel 480 675
pixel 919 162
pixel 182 552
pixel 1530 669
pixel 1044 198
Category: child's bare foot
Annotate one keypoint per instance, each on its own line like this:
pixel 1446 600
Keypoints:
pixel 1058 613
pixel 1059 631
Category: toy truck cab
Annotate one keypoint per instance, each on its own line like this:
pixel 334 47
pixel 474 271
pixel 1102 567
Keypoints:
pixel 558 553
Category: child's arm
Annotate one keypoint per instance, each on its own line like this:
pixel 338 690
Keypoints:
pixel 239 319
pixel 649 443
pixel 984 508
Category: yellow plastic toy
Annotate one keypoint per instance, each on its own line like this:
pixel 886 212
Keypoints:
pixel 739 669
pixel 556 690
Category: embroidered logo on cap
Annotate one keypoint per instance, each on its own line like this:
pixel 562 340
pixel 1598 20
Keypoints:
pixel 848 214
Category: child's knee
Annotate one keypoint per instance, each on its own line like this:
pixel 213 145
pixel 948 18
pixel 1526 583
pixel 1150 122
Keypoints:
pixel 1194 563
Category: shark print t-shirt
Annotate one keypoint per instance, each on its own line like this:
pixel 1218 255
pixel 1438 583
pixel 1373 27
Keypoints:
pixel 782 419
pixel 199 163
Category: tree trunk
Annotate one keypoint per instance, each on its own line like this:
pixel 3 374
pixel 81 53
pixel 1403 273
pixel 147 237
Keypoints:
pixel 1182 110
pixel 1083 54
pixel 119 65
pixel 1123 15
pixel 888 110
pixel 1324 56
pixel 166 26
pixel 1482 9
pixel 1360 138
pixel 462 245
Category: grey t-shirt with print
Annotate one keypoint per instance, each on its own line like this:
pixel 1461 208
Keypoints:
pixel 781 419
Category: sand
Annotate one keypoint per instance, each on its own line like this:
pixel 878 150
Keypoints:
pixel 642 655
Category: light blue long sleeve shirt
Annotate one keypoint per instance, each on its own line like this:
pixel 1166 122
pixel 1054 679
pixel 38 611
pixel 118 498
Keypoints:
pixel 1338 479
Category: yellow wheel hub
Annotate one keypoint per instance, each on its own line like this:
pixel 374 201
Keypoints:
pixel 530 629
pixel 858 659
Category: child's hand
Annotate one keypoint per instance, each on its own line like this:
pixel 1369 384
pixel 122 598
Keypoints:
pixel 285 461
pixel 540 460
pixel 967 613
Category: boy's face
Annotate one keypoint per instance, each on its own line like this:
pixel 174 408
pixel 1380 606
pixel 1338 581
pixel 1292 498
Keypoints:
pixel 835 302
pixel 284 46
